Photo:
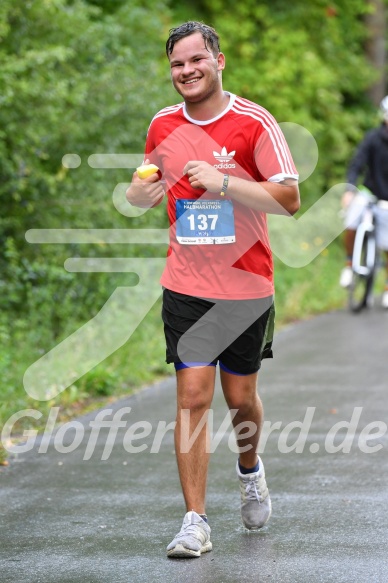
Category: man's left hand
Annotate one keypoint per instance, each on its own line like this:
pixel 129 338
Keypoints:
pixel 204 175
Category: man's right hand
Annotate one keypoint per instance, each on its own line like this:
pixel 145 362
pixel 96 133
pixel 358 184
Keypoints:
pixel 146 192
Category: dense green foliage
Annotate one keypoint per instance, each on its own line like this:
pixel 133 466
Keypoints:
pixel 72 80
pixel 85 77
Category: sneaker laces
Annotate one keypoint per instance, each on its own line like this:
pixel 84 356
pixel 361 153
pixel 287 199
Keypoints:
pixel 251 489
pixel 192 528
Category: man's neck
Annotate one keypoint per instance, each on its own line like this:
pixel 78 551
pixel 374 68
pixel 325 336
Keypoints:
pixel 208 109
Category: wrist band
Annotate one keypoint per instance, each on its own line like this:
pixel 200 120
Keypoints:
pixel 224 185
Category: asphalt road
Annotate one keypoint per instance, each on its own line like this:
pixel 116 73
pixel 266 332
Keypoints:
pixel 67 519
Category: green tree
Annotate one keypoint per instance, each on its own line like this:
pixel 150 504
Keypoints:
pixel 75 77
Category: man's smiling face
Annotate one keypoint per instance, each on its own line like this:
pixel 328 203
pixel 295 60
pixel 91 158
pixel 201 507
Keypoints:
pixel 195 71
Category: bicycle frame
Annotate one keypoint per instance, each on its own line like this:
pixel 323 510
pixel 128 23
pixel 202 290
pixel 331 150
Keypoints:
pixel 366 266
pixel 364 261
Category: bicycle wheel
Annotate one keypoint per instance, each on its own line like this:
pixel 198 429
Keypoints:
pixel 361 288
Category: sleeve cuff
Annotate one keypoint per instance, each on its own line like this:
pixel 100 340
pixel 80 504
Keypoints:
pixel 282 176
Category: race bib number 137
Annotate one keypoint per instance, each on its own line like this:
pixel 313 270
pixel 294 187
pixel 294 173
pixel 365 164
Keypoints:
pixel 204 222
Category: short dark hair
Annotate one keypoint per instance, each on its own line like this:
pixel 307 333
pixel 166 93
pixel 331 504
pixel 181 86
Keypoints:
pixel 209 35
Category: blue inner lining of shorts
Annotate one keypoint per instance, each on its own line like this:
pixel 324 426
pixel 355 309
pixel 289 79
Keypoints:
pixel 182 365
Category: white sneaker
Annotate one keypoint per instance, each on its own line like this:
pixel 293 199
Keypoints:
pixel 193 538
pixel 256 505
pixel 384 299
pixel 346 276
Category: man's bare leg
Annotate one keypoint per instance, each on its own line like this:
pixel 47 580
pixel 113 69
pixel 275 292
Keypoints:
pixel 386 268
pixel 195 388
pixel 349 238
pixel 241 394
pixel 384 301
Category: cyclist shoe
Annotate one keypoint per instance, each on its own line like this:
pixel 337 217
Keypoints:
pixel 193 538
pixel 384 299
pixel 256 505
pixel 346 276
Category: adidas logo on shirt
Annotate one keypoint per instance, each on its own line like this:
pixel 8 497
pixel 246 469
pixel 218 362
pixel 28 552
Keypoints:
pixel 224 158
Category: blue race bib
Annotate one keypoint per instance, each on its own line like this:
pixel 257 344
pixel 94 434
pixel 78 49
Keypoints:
pixel 205 222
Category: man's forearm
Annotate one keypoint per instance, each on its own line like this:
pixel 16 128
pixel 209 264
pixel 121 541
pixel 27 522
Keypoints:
pixel 269 197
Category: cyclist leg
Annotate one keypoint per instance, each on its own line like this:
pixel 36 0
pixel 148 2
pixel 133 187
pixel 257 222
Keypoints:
pixel 352 220
pixel 382 243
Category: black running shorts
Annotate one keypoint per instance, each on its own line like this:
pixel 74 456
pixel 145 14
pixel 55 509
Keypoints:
pixel 236 333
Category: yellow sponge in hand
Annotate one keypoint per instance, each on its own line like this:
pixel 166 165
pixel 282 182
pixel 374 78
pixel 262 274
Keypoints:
pixel 146 170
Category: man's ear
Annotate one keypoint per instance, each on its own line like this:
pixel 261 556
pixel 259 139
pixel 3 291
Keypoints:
pixel 220 61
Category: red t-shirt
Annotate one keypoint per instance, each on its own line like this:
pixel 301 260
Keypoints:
pixel 219 248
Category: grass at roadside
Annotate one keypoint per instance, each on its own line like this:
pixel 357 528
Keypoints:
pixel 300 293
pixel 305 292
